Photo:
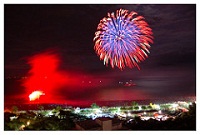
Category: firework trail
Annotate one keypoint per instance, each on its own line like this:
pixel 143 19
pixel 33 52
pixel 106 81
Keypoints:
pixel 123 39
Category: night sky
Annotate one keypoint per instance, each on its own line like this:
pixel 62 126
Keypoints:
pixel 170 69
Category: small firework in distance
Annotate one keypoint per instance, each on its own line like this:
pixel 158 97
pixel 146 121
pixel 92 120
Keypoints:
pixel 35 95
pixel 123 39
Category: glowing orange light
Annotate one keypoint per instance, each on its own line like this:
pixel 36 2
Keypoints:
pixel 35 95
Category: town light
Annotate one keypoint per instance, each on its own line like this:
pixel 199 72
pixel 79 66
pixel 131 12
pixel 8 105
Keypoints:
pixel 159 111
pixel 174 105
pixel 77 110
pixel 50 113
pixel 22 127
pixel 28 123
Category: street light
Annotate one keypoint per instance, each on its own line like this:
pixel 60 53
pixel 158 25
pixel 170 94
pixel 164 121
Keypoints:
pixel 159 111
pixel 28 123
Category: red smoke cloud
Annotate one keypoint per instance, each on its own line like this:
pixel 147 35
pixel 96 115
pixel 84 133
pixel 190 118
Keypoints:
pixel 54 84
pixel 44 75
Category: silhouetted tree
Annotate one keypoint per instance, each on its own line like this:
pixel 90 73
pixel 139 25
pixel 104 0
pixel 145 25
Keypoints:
pixel 143 107
pixel 134 104
pixel 94 105
pixel 136 107
pixel 14 109
pixel 41 108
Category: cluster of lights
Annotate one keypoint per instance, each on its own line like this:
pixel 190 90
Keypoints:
pixel 144 116
pixel 97 112
pixel 23 126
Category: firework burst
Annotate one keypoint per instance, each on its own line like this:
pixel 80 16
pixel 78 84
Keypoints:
pixel 35 95
pixel 123 39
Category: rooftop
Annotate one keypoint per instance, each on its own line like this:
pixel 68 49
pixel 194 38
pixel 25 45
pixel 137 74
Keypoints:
pixel 104 118
pixel 88 124
pixel 115 121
